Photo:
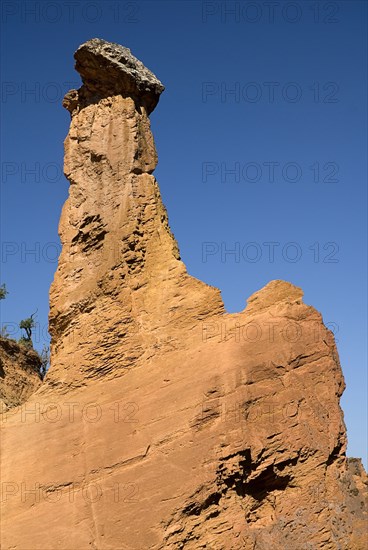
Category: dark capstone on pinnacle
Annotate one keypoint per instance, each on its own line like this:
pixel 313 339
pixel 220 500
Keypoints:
pixel 110 69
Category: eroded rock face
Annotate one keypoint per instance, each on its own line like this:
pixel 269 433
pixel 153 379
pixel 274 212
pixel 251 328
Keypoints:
pixel 19 373
pixel 168 423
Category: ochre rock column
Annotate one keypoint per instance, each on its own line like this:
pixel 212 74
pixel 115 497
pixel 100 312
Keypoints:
pixel 120 291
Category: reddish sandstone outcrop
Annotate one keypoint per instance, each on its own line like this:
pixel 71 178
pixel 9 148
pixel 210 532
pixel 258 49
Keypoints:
pixel 19 373
pixel 164 422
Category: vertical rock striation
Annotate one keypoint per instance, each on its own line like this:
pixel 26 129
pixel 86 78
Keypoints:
pixel 166 422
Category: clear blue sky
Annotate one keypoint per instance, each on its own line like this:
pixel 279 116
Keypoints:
pixel 275 94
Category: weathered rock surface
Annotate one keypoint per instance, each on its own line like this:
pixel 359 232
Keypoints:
pixel 19 373
pixel 164 422
pixel 110 69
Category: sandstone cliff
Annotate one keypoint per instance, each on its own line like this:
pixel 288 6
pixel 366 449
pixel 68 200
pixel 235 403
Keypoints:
pixel 164 422
pixel 19 373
